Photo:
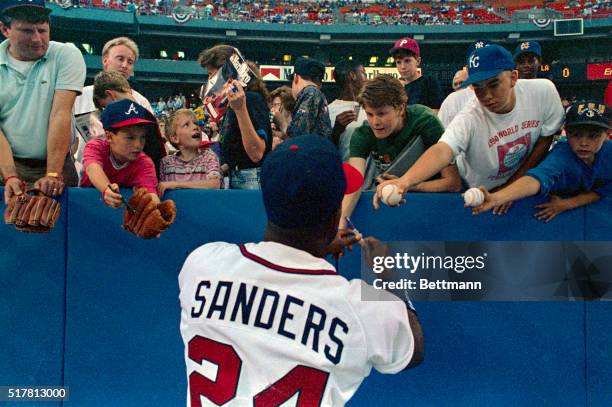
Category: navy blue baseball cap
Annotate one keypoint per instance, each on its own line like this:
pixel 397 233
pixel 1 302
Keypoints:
pixel 304 180
pixel 487 62
pixel 125 113
pixel 589 112
pixel 528 47
pixel 309 67
pixel 6 5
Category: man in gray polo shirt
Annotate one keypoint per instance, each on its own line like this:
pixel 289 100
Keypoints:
pixel 40 81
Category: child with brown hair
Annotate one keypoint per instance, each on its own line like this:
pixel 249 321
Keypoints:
pixel 118 160
pixel 191 166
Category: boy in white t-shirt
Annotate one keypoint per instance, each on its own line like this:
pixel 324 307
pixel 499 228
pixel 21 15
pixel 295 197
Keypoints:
pixel 345 113
pixel 505 133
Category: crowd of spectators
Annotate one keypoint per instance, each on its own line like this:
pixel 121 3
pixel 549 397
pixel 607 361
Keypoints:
pixel 245 123
pixel 165 106
pixel 381 12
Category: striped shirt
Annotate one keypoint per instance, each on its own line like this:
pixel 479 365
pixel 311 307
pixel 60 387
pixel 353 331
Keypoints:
pixel 202 167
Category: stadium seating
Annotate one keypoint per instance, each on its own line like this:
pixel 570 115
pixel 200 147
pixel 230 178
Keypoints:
pixel 391 13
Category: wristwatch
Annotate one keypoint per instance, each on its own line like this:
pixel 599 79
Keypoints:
pixel 55 175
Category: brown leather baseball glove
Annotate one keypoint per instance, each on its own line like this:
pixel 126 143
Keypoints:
pixel 145 218
pixel 32 212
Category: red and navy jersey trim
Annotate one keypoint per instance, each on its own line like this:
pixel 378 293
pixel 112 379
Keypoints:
pixel 282 269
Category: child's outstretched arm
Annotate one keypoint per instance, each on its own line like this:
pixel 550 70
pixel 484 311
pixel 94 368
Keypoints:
pixel 163 186
pixel 100 180
pixel 521 188
pixel 556 205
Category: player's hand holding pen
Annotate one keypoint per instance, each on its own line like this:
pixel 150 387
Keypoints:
pixel 345 239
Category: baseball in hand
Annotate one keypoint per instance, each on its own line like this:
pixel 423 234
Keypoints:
pixel 390 195
pixel 473 197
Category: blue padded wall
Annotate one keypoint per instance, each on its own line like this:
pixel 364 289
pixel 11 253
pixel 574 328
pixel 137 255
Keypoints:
pixel 32 276
pixel 599 353
pixel 598 225
pixel 119 324
pixel 490 354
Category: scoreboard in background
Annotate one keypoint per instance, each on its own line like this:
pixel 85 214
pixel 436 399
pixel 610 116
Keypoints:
pixel 581 72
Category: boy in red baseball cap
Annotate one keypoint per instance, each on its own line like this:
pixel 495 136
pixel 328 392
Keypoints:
pixel 421 89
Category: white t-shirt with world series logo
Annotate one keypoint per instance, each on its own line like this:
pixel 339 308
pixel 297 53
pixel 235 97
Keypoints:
pixel 496 145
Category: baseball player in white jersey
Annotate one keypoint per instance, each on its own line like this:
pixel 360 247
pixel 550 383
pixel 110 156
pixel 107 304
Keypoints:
pixel 272 322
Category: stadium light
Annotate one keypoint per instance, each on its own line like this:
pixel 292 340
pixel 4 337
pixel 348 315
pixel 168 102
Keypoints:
pixel 88 48
pixel 373 61
pixel 514 36
pixel 287 58
pixel 390 61
pixel 163 53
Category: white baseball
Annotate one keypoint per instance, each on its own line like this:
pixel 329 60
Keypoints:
pixel 390 196
pixel 473 197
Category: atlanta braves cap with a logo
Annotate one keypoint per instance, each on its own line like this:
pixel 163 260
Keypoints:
pixel 589 112
pixel 406 44
pixel 487 62
pixel 524 47
pixel 125 113
pixel 304 180
pixel 6 5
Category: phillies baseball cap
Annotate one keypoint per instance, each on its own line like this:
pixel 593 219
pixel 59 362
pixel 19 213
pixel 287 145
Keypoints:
pixel 125 113
pixel 528 46
pixel 304 180
pixel 487 62
pixel 406 44
pixel 589 112
pixel 39 5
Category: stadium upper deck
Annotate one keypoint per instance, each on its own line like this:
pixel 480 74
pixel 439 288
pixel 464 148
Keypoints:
pixel 360 12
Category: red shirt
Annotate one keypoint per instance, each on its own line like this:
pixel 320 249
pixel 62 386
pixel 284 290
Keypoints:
pixel 138 173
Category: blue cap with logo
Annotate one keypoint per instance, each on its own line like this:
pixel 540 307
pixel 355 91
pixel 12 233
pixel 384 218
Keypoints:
pixel 125 113
pixel 487 62
pixel 589 112
pixel 528 47
pixel 6 5
pixel 304 180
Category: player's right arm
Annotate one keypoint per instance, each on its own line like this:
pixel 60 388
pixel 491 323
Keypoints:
pixel 430 163
pixel 350 201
